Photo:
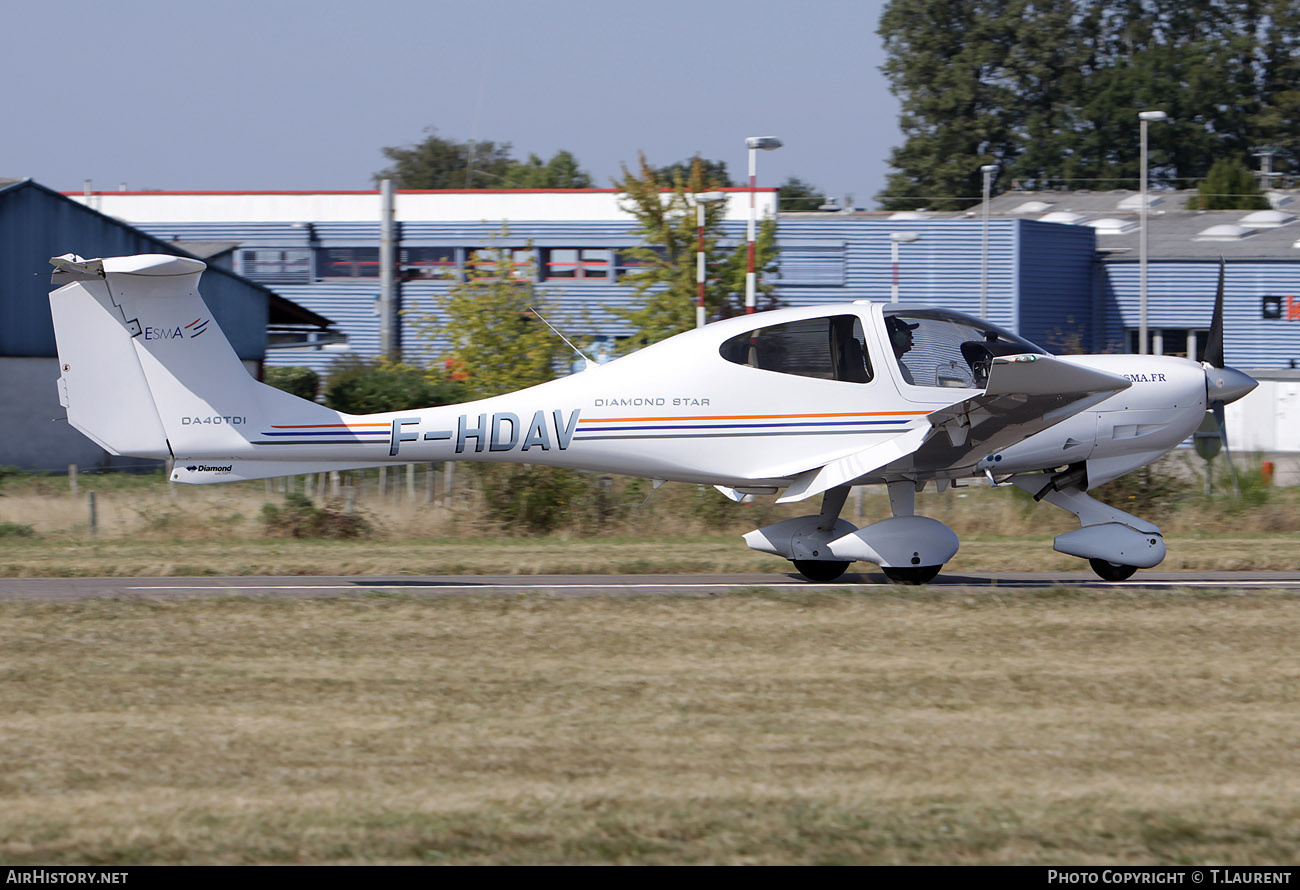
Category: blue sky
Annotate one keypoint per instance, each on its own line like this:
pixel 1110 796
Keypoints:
pixel 283 94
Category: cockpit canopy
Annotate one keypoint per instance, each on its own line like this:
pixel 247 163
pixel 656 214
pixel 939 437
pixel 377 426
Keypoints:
pixel 933 347
pixel 939 347
pixel 826 347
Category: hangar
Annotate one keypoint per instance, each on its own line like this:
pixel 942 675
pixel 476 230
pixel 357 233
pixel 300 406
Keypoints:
pixel 37 223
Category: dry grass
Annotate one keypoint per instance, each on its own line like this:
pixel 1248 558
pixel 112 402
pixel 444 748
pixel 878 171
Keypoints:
pixel 917 727
pixel 147 528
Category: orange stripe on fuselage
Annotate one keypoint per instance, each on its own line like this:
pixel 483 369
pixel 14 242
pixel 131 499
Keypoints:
pixel 318 426
pixel 750 416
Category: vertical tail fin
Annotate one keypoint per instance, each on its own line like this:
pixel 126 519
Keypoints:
pixel 146 371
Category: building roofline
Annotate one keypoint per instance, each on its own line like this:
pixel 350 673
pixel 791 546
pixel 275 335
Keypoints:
pixel 158 192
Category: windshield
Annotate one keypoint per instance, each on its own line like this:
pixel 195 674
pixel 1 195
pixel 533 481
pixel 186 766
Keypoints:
pixel 938 347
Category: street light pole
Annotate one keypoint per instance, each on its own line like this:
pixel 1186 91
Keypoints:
pixel 895 239
pixel 988 170
pixel 754 144
pixel 700 275
pixel 1144 117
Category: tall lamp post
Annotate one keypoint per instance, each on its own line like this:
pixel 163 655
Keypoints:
pixel 1144 117
pixel 700 277
pixel 895 239
pixel 754 144
pixel 988 170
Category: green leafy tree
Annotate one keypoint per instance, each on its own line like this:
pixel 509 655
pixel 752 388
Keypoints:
pixel 1050 89
pixel 356 386
pixel 665 278
pixel 798 195
pixel 1228 186
pixel 438 163
pixel 714 172
pixel 560 172
pixel 294 379
pixel 496 343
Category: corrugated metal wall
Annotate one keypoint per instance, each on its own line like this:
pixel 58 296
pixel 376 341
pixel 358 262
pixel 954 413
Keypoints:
pixel 1180 295
pixel 826 259
pixel 1055 285
pixel 37 223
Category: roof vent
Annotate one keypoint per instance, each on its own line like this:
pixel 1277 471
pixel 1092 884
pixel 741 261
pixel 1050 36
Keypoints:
pixel 1032 207
pixel 1267 219
pixel 1112 226
pixel 1134 202
pixel 1224 232
pixel 1067 217
pixel 909 214
pixel 1277 198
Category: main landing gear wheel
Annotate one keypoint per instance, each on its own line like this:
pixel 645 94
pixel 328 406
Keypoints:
pixel 1111 571
pixel 820 570
pixel 911 574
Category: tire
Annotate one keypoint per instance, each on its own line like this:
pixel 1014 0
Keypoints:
pixel 1111 571
pixel 911 574
pixel 821 571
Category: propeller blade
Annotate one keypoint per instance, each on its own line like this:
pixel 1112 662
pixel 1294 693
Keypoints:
pixel 1214 343
pixel 1216 409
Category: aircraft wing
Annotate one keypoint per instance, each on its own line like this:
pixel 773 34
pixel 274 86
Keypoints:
pixel 1025 395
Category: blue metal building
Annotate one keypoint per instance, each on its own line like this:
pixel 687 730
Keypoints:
pixel 37 223
pixel 1039 274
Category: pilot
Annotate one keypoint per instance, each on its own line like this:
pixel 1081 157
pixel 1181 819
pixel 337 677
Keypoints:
pixel 900 337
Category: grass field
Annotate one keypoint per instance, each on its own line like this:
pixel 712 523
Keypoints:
pixel 899 726
pixel 902 727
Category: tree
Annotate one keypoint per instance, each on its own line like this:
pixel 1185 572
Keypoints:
pixel 1228 186
pixel 798 195
pixel 665 278
pixel 713 171
pixel 496 343
pixel 1049 90
pixel 356 386
pixel 560 172
pixel 438 163
pixel 294 379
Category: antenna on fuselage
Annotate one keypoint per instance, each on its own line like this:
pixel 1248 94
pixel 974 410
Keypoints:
pixel 556 331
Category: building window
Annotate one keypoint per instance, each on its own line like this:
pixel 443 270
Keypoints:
pixel 348 262
pixel 577 263
pixel 363 262
pixel 486 261
pixel 1180 342
pixel 276 266
pixel 426 262
pixel 628 261
pixel 815 265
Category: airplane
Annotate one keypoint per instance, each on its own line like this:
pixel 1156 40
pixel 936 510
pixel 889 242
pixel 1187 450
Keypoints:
pixel 795 402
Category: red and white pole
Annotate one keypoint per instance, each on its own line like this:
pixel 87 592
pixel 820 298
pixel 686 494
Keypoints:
pixel 754 143
pixel 699 264
pixel 751 281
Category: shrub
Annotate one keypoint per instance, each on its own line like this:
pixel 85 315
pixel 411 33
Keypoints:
pixel 295 380
pixel 300 518
pixel 360 387
pixel 16 530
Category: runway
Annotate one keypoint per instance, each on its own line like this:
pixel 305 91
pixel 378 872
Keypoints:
pixel 303 587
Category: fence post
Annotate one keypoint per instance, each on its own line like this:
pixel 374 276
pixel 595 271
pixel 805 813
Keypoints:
pixel 72 478
pixel 94 518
